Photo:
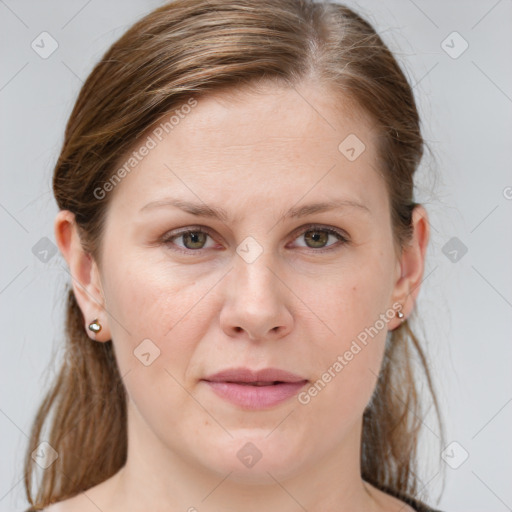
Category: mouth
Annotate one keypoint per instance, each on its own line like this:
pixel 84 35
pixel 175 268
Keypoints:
pixel 264 377
pixel 257 383
pixel 252 390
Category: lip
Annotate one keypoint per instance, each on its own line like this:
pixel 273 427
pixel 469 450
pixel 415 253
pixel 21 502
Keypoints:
pixel 234 385
pixel 246 375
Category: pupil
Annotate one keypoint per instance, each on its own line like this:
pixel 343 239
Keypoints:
pixel 195 238
pixel 317 237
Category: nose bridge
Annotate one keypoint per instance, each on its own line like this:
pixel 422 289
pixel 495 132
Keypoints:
pixel 254 274
pixel 255 299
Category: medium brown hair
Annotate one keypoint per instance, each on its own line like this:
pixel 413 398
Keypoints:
pixel 189 48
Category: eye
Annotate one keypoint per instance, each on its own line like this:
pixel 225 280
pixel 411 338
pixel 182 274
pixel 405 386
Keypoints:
pixel 194 239
pixel 317 236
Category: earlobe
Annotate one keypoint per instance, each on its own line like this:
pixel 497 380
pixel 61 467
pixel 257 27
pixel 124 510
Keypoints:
pixel 412 263
pixel 85 276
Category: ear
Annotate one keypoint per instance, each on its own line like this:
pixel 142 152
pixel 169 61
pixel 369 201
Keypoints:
pixel 85 275
pixel 411 265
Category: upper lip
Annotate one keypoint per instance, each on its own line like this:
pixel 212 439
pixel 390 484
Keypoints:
pixel 248 375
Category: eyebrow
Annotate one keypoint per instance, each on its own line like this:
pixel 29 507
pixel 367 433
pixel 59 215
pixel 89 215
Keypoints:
pixel 203 210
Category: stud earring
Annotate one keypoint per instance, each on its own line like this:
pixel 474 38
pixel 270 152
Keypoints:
pixel 95 326
pixel 400 315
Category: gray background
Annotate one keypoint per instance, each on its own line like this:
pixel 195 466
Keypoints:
pixel 465 302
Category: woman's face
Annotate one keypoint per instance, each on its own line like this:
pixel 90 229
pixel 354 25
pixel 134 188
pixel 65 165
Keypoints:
pixel 265 286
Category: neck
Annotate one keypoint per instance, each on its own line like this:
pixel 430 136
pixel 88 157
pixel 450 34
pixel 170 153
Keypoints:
pixel 155 477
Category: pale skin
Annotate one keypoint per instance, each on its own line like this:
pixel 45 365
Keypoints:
pixel 295 307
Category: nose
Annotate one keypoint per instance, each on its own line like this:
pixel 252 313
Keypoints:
pixel 257 301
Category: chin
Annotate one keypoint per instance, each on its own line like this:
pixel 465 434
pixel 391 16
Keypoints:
pixel 250 457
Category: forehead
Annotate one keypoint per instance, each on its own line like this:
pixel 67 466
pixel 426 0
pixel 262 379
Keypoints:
pixel 258 147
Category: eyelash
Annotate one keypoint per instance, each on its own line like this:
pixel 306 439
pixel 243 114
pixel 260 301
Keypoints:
pixel 167 239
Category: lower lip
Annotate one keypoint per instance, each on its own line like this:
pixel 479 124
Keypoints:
pixel 256 397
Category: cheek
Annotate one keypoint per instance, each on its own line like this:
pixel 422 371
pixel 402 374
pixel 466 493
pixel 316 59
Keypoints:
pixel 154 339
pixel 354 306
pixel 149 294
pixel 346 380
pixel 154 312
pixel 349 301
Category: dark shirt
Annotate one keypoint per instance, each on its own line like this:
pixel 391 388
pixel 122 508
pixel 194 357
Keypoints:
pixel 417 505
